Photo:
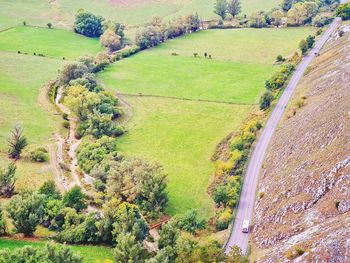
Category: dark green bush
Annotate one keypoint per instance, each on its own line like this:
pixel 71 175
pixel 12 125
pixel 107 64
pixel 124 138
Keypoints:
pixel 39 155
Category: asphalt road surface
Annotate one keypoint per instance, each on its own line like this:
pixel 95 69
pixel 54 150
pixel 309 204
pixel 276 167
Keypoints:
pixel 247 200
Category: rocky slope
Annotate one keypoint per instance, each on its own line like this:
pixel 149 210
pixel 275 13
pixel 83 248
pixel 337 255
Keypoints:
pixel 303 210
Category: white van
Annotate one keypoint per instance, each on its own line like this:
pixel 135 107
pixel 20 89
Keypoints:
pixel 245 226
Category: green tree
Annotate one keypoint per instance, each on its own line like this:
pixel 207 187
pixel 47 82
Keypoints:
pixel 257 20
pixel 168 235
pixel 138 181
pixel 75 198
pixel 26 211
pixel 234 7
pixel 49 189
pixel 17 142
pixel 310 41
pixel 303 45
pixel 343 11
pixel 128 249
pixel 88 24
pixel 8 180
pixel 190 222
pixel 49 25
pixel 129 220
pixel 220 8
pixel 265 100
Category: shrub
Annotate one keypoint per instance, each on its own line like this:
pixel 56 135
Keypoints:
pixel 66 124
pixel 17 142
pixel 280 58
pixel 3 225
pixel 39 155
pixel 303 45
pixel 49 189
pixel 111 40
pixel 49 25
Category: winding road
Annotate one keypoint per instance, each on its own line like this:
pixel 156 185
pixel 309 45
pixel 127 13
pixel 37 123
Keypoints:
pixel 247 200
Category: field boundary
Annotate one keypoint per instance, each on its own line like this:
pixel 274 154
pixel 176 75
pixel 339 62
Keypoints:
pixel 185 99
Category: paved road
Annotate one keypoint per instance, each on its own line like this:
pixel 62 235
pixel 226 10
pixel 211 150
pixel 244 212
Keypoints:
pixel 246 204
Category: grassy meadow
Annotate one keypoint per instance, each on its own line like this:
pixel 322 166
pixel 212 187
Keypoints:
pixel 90 254
pixel 241 62
pixel 132 12
pixel 55 43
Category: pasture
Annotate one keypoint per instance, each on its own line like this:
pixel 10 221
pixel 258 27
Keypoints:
pixel 132 12
pixel 21 79
pixel 182 136
pixel 57 43
pixel 241 62
pixel 90 254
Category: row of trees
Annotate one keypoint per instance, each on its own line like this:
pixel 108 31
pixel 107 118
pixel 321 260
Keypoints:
pixel 157 32
pixel 291 12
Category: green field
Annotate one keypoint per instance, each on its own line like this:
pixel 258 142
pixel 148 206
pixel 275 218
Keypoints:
pixel 61 13
pixel 21 78
pixel 90 254
pixel 241 62
pixel 56 43
pixel 181 135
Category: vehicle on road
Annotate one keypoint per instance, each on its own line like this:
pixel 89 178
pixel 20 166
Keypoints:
pixel 245 226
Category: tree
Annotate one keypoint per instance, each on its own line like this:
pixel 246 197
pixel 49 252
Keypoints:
pixel 149 36
pixel 129 220
pixel 220 8
pixel 51 253
pixel 72 71
pixel 192 22
pixel 277 18
pixel 75 198
pixel 310 41
pixel 234 7
pixel 168 235
pixel 265 100
pixel 88 24
pixel 8 180
pixel 17 142
pixel 111 40
pixel 137 181
pixel 257 20
pixel 303 46
pixel 236 255
pixel 343 11
pixel 26 211
pixel 49 25
pixel 49 189
pixel 128 249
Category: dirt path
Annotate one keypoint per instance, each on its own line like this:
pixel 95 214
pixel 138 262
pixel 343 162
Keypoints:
pixel 73 144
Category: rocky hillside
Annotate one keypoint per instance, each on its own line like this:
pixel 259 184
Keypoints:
pixel 303 209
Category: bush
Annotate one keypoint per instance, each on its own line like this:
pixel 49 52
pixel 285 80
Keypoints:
pixel 88 24
pixel 39 155
pixel 303 45
pixel 3 225
pixel 280 58
pixel 265 100
pixel 49 25
pixel 66 124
